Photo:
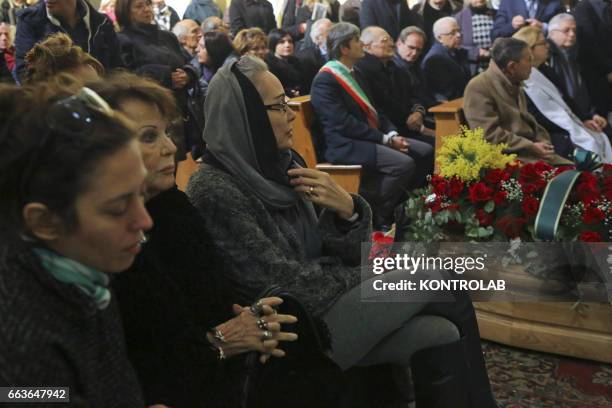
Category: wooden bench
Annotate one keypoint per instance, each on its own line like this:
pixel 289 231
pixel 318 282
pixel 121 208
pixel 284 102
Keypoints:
pixel 584 331
pixel 347 176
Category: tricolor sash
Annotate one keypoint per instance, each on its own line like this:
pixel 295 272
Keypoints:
pixel 346 80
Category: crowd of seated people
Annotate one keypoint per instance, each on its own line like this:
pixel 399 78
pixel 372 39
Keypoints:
pixel 134 293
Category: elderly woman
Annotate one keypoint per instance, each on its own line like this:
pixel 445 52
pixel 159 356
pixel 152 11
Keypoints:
pixel 282 63
pixel 548 106
pixel 177 319
pixel 252 41
pixel 72 215
pixel 257 200
pixel 57 54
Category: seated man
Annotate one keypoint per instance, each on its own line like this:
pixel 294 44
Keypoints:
pixel 514 14
pixel 354 132
pixel 495 102
pixel 188 33
pixel 446 65
pixel 314 57
pixel 407 58
pixel 563 59
pixel 392 94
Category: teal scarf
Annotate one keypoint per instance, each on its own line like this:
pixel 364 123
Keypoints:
pixel 94 283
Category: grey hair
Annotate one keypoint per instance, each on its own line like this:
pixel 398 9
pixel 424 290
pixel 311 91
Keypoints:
pixel 505 50
pixel 315 29
pixel 212 23
pixel 339 36
pixel 437 27
pixel 556 21
pixel 180 29
pixel 368 35
pixel 412 30
pixel 251 66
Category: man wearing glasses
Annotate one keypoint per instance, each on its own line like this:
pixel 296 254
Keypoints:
pixel 446 65
pixel 563 59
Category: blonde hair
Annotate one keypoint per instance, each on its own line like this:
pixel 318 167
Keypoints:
pixel 245 39
pixel 529 35
pixel 57 54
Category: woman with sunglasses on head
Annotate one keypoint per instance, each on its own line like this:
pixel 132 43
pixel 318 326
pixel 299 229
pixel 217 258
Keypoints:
pixel 178 318
pixel 71 215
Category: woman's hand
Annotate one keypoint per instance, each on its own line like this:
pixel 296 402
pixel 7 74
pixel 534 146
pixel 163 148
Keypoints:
pixel 321 189
pixel 254 332
pixel 179 78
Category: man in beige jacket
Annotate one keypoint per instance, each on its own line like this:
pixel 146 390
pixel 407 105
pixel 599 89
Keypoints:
pixel 495 102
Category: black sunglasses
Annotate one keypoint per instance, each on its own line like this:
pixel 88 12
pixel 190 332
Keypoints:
pixel 70 117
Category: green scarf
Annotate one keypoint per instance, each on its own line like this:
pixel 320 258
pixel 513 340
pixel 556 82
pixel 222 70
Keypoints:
pixel 94 283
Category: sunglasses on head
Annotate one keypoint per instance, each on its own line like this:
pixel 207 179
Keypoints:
pixel 68 117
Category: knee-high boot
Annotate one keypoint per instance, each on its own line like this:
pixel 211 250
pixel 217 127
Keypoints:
pixel 440 376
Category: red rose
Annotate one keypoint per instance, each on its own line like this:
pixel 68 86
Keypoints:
pixel 483 217
pixel 542 167
pixel 435 205
pixel 479 192
pixel 531 188
pixel 494 176
pixel 439 185
pixel 530 205
pixel 500 198
pixel 590 236
pixel 531 178
pixel 593 215
pixel 588 189
pixel 510 226
pixel 455 187
pixel 380 238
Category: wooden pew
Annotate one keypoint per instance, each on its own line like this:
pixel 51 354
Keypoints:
pixel 584 331
pixel 347 176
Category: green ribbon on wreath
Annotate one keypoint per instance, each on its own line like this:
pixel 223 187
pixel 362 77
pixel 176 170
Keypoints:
pixel 558 190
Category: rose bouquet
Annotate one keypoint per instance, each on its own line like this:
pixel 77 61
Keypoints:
pixel 483 194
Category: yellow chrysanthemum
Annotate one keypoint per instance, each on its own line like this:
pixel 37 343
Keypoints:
pixel 466 154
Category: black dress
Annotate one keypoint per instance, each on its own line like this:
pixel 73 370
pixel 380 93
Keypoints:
pixel 169 299
pixel 288 73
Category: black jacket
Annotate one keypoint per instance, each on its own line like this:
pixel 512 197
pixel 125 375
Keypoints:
pixel 392 15
pixel 54 335
pixel 169 299
pixel 288 73
pixel 447 74
pixel 34 26
pixel 296 13
pixel 418 82
pixel 391 90
pixel 311 60
pixel 251 13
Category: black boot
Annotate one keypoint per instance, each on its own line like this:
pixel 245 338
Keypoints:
pixel 440 376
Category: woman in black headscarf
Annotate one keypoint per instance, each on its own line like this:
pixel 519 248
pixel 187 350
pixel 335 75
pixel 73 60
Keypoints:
pixel 257 201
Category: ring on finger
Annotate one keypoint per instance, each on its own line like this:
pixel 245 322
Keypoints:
pixel 256 308
pixel 262 324
pixel 311 190
pixel 266 335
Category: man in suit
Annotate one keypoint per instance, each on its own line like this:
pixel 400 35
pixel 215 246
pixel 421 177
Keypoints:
pixel 446 65
pixel 495 102
pixel 390 15
pixel 514 14
pixel 312 58
pixel 354 132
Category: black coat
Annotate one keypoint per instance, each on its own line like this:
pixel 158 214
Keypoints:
pixel 311 60
pixel 288 73
pixel 54 335
pixel 296 13
pixel 251 13
pixel 169 299
pixel 34 26
pixel 594 23
pixel 347 136
pixel 391 90
pixel 384 13
pixel 418 82
pixel 447 75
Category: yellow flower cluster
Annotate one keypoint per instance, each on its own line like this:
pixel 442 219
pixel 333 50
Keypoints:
pixel 466 154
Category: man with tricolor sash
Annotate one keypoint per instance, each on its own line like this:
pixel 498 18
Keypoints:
pixel 355 132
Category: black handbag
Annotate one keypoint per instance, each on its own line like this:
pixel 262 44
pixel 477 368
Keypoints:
pixel 306 377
